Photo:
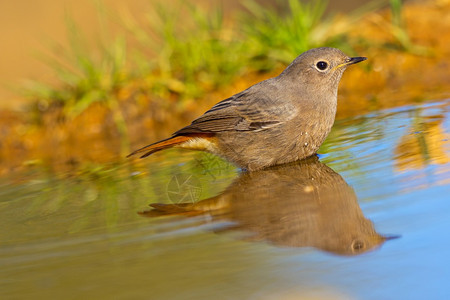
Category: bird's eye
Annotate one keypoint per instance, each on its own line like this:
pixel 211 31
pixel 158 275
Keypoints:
pixel 322 65
pixel 357 245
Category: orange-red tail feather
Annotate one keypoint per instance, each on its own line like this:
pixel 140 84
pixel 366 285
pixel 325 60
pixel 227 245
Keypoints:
pixel 164 144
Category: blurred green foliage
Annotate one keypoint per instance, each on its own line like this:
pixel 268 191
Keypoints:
pixel 400 32
pixel 189 57
pixel 85 78
pixel 275 36
pixel 183 58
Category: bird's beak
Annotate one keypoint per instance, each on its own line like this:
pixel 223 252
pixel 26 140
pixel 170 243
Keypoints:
pixel 351 61
pixel 391 237
pixel 355 60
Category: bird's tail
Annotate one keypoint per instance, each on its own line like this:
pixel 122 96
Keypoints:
pixel 164 144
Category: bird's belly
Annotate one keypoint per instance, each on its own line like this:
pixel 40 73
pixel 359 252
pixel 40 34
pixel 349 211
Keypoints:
pixel 200 143
pixel 256 150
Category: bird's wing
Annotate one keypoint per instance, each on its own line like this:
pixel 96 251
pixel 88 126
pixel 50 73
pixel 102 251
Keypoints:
pixel 247 111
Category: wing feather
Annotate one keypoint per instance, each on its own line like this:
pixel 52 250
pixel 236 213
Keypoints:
pixel 251 110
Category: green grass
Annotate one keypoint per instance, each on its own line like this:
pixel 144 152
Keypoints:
pixel 400 32
pixel 191 56
pixel 279 37
pixel 85 77
pixel 398 27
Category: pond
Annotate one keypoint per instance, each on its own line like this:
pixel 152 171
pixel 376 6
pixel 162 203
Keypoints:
pixel 367 219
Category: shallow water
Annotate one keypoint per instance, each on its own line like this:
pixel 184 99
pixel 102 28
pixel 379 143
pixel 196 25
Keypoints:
pixel 368 220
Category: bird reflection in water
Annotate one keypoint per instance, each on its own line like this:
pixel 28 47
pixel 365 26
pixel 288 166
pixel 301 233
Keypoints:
pixel 301 204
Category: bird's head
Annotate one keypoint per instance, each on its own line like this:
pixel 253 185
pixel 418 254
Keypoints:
pixel 320 68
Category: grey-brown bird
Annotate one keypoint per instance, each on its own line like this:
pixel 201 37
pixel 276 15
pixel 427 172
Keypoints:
pixel 301 204
pixel 278 120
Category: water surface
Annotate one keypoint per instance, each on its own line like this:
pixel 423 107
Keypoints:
pixel 318 228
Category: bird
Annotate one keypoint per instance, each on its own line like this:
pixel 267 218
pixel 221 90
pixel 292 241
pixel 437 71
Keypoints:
pixel 279 120
pixel 300 204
